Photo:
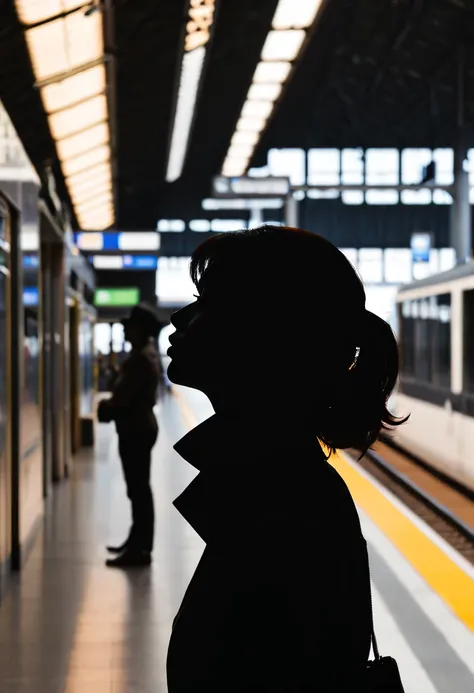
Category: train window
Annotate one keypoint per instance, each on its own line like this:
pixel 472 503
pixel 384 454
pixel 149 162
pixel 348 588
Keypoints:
pixel 425 344
pixel 441 342
pixel 406 339
pixel 468 342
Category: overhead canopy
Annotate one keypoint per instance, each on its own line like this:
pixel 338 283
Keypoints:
pixel 379 74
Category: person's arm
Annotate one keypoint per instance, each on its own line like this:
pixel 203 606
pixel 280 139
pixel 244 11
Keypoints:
pixel 130 382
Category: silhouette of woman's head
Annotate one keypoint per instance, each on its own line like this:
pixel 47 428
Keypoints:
pixel 280 322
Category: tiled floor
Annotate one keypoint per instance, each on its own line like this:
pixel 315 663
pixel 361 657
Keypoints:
pixel 69 624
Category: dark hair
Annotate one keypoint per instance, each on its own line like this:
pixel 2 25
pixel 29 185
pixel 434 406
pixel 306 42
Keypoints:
pixel 349 371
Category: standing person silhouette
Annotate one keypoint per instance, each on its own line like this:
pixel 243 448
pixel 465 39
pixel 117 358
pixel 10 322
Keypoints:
pixel 280 599
pixel 131 406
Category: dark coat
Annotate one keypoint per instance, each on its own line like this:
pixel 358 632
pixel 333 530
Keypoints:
pixel 280 599
pixel 134 393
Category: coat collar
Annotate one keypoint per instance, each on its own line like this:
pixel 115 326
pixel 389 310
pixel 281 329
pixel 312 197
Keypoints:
pixel 236 451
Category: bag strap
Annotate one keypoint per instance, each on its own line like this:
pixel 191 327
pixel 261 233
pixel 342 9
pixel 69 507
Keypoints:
pixel 373 639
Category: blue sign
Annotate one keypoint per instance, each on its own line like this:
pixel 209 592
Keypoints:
pixel 30 261
pixel 121 262
pixel 114 241
pixel 140 262
pixel 421 247
pixel 30 296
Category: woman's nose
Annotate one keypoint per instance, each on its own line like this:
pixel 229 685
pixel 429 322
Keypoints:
pixel 181 318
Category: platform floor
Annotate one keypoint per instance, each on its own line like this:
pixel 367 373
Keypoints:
pixel 69 624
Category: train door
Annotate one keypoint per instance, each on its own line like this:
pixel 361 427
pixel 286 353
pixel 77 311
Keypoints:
pixel 5 398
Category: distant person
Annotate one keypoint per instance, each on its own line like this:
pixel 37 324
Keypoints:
pixel 280 600
pixel 131 407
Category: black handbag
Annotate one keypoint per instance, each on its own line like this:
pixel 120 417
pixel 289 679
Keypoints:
pixel 105 413
pixel 382 673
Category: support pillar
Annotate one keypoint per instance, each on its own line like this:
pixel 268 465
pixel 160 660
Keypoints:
pixel 460 223
pixel 291 211
pixel 256 218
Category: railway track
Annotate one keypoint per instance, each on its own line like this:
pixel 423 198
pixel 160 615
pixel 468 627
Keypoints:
pixel 443 505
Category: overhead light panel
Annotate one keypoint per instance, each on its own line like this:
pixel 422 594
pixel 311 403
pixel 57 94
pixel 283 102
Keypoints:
pixel 65 44
pixel 81 197
pixel 90 177
pixel 270 73
pixel 34 11
pixel 295 14
pixel 83 142
pixel 258 109
pixel 251 123
pixel 98 222
pixel 78 118
pixel 83 162
pixel 240 151
pixel 283 45
pixel 281 48
pixel 264 92
pixel 198 33
pixel 245 137
pixel 73 90
pixel 189 83
pixel 66 48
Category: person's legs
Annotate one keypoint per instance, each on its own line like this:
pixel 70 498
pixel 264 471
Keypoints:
pixel 141 496
pixel 135 453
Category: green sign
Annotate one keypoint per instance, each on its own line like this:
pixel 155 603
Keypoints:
pixel 128 296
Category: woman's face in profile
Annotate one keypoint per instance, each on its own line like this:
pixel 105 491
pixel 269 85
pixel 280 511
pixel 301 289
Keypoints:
pixel 203 345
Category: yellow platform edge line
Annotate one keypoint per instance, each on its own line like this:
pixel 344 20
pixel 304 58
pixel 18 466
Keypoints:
pixel 440 572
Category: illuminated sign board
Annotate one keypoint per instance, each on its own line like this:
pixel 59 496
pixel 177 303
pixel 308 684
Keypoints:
pixel 121 262
pixel 253 187
pixel 128 241
pixel 30 261
pixel 30 296
pixel 420 247
pixel 126 296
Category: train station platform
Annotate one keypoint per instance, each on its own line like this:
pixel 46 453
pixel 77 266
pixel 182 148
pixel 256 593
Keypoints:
pixel 70 625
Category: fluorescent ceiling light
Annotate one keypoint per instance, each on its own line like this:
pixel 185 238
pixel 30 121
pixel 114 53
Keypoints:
pixel 189 82
pixel 295 14
pixel 73 120
pixel 271 73
pixel 234 167
pixel 65 44
pixel 83 197
pixel 264 92
pixel 251 123
pixel 257 109
pixel 283 45
pixel 83 142
pixel 89 177
pixel 99 222
pixel 74 89
pixel 242 137
pixel 83 162
pixel 240 151
pixel 33 11
pixel 101 201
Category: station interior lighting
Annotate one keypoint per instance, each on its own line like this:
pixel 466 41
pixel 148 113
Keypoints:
pixel 290 24
pixel 66 49
pixel 198 28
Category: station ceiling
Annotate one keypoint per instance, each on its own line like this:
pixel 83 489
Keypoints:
pixel 381 73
